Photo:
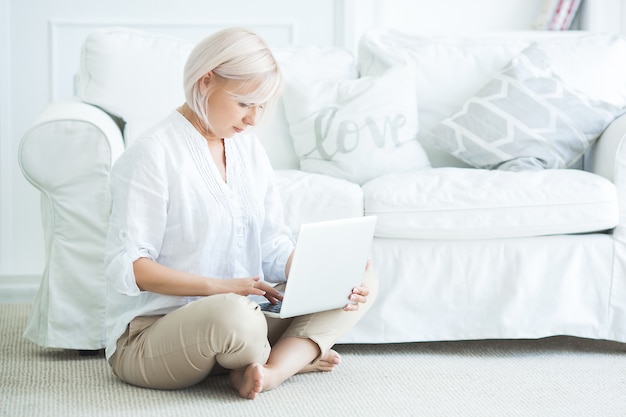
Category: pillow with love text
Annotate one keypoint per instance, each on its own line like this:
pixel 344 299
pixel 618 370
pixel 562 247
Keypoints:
pixel 356 130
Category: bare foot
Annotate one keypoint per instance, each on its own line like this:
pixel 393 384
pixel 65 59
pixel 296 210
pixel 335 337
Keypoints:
pixel 248 382
pixel 326 364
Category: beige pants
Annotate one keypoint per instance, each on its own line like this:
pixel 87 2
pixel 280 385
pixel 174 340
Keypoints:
pixel 225 331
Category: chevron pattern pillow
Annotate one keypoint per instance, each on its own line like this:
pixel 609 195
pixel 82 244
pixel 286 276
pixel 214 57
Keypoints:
pixel 524 118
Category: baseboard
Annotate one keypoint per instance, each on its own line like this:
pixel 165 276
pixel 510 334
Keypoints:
pixel 18 289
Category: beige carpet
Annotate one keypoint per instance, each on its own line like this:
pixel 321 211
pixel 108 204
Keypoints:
pixel 549 377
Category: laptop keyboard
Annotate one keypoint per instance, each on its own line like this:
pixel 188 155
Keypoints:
pixel 271 308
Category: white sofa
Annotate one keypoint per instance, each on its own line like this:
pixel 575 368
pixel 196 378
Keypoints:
pixel 464 250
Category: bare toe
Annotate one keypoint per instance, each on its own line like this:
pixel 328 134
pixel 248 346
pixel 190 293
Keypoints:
pixel 248 382
pixel 325 364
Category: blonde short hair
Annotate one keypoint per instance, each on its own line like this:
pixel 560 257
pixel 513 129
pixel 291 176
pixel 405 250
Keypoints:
pixel 233 54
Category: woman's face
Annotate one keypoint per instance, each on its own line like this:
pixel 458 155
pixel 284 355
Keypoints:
pixel 226 114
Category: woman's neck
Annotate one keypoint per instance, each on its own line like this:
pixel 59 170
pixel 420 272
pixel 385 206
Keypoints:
pixel 193 118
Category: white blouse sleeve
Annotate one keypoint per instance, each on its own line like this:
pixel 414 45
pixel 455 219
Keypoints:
pixel 277 243
pixel 138 216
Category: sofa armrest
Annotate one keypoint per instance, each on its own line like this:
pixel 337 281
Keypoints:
pixel 67 154
pixel 608 158
pixel 63 122
pixel 605 155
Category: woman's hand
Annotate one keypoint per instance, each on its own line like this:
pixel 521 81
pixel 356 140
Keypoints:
pixel 358 295
pixel 252 286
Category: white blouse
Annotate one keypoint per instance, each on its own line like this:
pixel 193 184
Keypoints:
pixel 170 204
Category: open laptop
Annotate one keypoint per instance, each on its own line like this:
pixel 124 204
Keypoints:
pixel 329 260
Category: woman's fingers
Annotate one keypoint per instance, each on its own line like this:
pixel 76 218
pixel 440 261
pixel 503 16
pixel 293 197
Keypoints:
pixel 362 290
pixel 358 296
pixel 272 294
pixel 351 307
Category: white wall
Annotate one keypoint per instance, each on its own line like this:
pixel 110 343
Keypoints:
pixel 39 41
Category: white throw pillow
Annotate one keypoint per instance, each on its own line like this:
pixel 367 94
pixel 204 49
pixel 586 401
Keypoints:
pixel 134 75
pixel 524 118
pixel 356 130
pixel 302 62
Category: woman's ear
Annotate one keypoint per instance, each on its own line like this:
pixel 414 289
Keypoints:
pixel 208 78
pixel 205 82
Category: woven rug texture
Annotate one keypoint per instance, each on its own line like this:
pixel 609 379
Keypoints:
pixel 559 376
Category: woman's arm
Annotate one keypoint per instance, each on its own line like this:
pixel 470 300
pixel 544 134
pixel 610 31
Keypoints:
pixel 154 277
pixel 288 265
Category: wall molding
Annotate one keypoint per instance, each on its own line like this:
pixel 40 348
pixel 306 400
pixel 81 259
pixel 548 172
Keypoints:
pixel 65 37
pixel 352 19
pixel 18 289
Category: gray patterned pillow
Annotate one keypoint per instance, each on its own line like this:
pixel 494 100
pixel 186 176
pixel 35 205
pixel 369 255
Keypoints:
pixel 524 118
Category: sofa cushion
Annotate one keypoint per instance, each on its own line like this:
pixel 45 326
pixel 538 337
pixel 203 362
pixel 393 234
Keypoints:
pixel 309 197
pixel 468 203
pixel 450 69
pixel 356 129
pixel 524 118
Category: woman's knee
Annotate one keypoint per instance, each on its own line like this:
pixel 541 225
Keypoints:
pixel 370 280
pixel 239 331
pixel 235 313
